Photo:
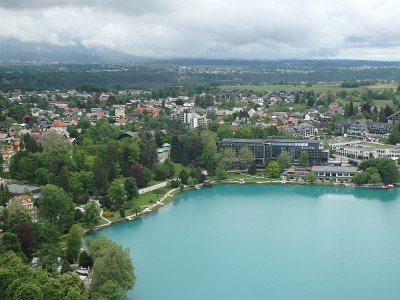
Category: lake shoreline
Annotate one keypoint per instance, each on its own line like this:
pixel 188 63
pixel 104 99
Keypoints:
pixel 169 196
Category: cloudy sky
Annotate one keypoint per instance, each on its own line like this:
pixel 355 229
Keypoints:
pixel 254 29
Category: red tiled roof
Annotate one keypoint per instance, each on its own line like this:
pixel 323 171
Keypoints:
pixel 57 123
pixel 148 109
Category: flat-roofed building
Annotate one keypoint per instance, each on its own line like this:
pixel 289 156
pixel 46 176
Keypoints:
pixel 257 146
pixel 265 150
pixel 333 173
pixel 364 150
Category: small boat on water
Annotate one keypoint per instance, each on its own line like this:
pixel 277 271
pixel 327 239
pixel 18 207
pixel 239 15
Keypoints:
pixel 384 187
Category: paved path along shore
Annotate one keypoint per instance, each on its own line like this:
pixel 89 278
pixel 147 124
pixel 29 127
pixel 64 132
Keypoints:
pixel 153 187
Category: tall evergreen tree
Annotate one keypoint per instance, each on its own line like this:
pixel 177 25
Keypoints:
pixel 351 109
pixel 176 149
pixel 148 149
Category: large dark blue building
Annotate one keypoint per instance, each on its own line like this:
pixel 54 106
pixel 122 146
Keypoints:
pixel 265 150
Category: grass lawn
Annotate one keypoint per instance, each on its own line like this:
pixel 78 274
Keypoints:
pixel 379 146
pixel 382 103
pixel 142 200
pixel 154 182
pixel 116 217
pixel 102 221
pixel 151 197
pixel 316 87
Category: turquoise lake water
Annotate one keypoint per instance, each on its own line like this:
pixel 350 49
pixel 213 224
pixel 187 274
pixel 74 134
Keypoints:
pixel 267 242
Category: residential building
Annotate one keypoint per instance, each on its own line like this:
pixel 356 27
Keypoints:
pixel 25 201
pixel 394 119
pixel 163 153
pixel 363 128
pixel 154 112
pixel 198 121
pixel 364 150
pixel 58 126
pixel 190 118
pixel 296 173
pixel 119 111
pixel 302 130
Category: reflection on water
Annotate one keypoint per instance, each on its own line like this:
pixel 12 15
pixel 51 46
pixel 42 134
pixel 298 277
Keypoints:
pixel 290 242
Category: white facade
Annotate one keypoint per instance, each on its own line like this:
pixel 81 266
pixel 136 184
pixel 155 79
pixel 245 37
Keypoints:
pixel 198 121
pixel 362 150
pixel 119 111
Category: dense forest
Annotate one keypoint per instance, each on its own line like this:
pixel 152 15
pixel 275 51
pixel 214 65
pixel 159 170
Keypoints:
pixel 170 73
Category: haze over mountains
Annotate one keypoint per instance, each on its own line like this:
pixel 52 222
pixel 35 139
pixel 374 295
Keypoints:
pixel 12 50
pixel 15 51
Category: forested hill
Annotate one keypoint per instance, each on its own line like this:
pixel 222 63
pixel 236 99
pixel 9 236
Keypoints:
pixel 192 72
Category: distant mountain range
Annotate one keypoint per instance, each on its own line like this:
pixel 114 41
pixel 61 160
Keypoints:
pixel 12 50
pixel 15 51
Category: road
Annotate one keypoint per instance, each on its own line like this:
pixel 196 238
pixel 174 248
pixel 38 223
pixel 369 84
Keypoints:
pixel 153 187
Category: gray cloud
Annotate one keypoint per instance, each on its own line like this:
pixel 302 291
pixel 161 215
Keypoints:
pixel 212 28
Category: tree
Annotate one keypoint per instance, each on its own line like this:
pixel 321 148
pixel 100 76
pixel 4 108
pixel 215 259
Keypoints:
pixel 137 173
pixel 85 260
pixel 229 158
pixel 130 188
pixel 113 271
pixel 388 171
pixel 26 238
pixel 161 171
pixel 359 178
pixel 220 171
pixel 374 178
pixel 386 167
pixel 28 291
pixel 117 194
pixel 351 109
pixel 184 176
pixel 91 216
pixel 30 144
pixel 246 157
pixel 45 234
pixel 73 243
pixel 388 111
pixel 147 175
pixel 209 158
pixel 253 168
pixel 63 179
pixel 56 207
pixel 310 177
pixel 284 159
pixel 55 142
pixel 303 159
pixel 14 215
pixel 273 170
pixel 48 258
pixel 176 149
pixel 148 149
pixel 11 242
pixel 100 175
pixel 394 136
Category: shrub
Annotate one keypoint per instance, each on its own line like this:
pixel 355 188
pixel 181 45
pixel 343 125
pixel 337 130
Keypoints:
pixel 174 183
pixel 108 214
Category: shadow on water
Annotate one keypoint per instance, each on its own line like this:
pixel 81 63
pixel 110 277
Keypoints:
pixel 273 190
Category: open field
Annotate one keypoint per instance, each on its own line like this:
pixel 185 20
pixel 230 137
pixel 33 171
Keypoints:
pixel 316 87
